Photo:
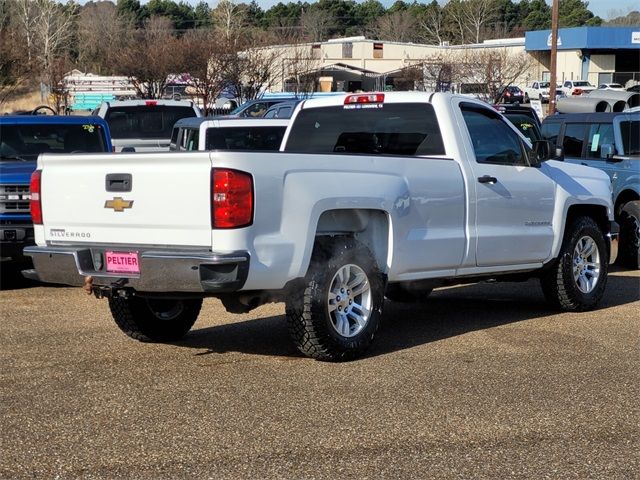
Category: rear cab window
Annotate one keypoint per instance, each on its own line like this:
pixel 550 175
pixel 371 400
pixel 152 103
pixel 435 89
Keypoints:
pixel 145 121
pixel 267 138
pixel 385 129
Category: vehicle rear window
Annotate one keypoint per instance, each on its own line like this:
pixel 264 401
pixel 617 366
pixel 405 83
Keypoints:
pixel 28 141
pixel 145 121
pixel 244 138
pixel 393 129
pixel 630 137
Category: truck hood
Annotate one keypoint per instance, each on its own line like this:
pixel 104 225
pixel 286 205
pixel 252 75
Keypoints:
pixel 16 171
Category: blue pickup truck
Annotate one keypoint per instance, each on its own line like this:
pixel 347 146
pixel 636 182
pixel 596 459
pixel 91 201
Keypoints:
pixel 22 139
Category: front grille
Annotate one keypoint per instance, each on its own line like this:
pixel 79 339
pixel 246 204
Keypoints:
pixel 14 198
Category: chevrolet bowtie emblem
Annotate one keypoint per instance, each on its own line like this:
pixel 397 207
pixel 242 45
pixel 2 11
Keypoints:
pixel 118 204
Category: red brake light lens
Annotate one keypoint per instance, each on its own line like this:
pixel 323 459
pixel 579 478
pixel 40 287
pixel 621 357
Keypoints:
pixel 231 198
pixel 364 98
pixel 151 103
pixel 34 204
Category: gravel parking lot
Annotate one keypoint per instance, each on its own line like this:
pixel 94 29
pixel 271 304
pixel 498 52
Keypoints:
pixel 483 381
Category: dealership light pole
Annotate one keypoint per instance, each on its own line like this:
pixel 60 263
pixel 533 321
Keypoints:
pixel 554 54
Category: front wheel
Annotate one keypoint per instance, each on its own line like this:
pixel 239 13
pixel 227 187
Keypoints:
pixel 336 313
pixel 629 253
pixel 154 320
pixel 577 279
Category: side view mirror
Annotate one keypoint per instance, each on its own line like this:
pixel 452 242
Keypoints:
pixel 128 149
pixel 542 149
pixel 607 151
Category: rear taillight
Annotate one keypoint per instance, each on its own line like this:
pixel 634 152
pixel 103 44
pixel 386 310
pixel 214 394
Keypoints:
pixel 35 205
pixel 231 198
pixel 364 98
pixel 577 91
pixel 151 103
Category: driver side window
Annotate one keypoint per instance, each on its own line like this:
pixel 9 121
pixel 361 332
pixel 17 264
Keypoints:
pixel 493 140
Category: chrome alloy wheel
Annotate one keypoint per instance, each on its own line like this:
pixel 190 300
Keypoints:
pixel 586 264
pixel 166 309
pixel 350 300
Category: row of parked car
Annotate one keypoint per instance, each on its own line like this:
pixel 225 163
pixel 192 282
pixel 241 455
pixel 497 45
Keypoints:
pixel 539 90
pixel 608 141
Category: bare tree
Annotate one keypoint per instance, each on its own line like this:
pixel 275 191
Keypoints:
pixel 26 15
pixel 209 57
pixel 399 26
pixel 476 14
pixel 14 70
pixel 101 32
pixel 493 69
pixel 432 24
pixel 151 57
pixel 53 35
pixel 254 71
pixel 316 24
pixel 300 69
pixel 229 20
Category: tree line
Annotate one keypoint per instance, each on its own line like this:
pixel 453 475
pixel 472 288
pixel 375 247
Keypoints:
pixel 40 40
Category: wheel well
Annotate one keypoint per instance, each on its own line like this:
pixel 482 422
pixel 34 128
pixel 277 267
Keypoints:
pixel 623 198
pixel 597 212
pixel 371 227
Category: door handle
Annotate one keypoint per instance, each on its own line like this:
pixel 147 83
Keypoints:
pixel 118 182
pixel 487 179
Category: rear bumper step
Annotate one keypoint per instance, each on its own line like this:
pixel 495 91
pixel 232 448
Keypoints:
pixel 160 270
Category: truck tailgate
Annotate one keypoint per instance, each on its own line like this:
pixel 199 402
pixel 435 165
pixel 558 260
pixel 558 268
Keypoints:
pixel 137 199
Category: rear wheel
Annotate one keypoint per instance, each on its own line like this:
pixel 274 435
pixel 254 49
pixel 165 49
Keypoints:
pixel 336 313
pixel 154 320
pixel 577 280
pixel 629 253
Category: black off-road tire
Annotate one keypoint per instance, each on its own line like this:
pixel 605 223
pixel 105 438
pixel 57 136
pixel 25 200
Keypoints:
pixel 311 325
pixel 558 283
pixel 396 292
pixel 150 320
pixel 629 246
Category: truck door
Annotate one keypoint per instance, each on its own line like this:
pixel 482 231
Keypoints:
pixel 514 201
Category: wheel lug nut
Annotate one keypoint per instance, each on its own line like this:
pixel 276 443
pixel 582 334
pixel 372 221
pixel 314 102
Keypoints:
pixel 338 298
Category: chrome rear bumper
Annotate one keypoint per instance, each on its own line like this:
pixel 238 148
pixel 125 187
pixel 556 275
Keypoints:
pixel 160 270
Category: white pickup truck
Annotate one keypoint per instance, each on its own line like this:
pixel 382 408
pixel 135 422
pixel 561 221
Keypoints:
pixel 374 194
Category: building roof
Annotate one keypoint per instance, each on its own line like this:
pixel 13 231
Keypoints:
pixel 585 38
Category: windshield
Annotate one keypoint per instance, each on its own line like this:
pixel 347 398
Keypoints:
pixel 582 84
pixel 27 141
pixel 544 84
pixel 145 121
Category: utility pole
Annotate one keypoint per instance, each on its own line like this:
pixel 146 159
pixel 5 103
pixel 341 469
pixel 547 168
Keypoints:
pixel 554 54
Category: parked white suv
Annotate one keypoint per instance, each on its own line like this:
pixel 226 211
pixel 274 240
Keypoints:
pixel 144 125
